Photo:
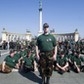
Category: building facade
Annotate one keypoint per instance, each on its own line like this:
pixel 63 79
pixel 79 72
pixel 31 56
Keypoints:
pixel 8 36
pixel 67 36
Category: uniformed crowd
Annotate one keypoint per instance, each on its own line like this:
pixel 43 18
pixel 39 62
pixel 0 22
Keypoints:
pixel 68 58
pixel 47 53
pixel 13 44
pixel 22 59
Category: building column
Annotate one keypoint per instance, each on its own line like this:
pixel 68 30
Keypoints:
pixel 76 35
pixel 28 37
pixel 4 36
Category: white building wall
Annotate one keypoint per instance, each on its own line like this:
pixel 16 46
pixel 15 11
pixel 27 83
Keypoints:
pixel 3 36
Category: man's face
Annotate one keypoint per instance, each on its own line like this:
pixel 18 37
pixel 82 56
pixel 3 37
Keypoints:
pixel 62 55
pixel 12 54
pixel 46 30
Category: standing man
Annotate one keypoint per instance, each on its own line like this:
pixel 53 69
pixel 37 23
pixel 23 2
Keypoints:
pixel 46 51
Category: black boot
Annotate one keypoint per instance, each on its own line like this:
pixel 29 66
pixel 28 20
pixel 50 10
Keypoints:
pixel 43 80
pixel 48 80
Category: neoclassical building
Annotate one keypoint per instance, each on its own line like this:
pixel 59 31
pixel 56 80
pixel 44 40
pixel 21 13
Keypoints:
pixel 69 36
pixel 8 36
pixel 65 36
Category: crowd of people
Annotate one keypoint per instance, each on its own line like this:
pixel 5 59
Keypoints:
pixel 47 53
pixel 13 44
pixel 22 57
pixel 69 57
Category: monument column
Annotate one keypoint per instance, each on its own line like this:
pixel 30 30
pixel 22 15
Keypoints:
pixel 40 17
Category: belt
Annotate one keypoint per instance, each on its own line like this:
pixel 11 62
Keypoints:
pixel 46 53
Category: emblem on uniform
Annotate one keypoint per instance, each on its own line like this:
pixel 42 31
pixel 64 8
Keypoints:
pixel 13 60
pixel 49 39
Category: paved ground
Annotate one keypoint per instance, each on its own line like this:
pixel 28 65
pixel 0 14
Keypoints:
pixel 3 52
pixel 34 78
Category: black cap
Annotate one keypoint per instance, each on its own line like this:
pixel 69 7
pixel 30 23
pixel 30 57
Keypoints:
pixel 45 25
